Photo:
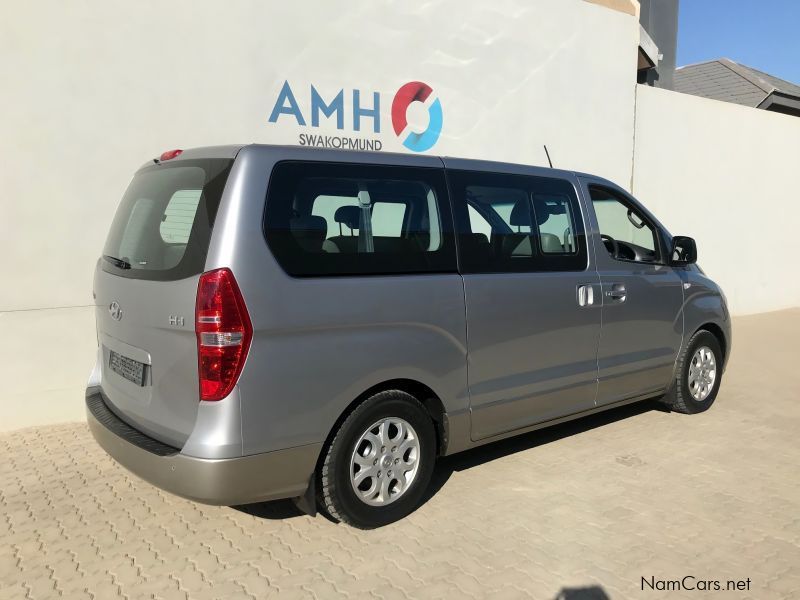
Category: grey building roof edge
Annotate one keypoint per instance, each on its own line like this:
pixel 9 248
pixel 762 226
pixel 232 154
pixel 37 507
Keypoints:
pixel 746 73
pixel 755 88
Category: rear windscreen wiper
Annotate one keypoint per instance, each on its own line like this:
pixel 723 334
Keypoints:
pixel 119 262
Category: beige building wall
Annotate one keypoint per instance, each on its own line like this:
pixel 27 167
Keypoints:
pixel 723 174
pixel 92 90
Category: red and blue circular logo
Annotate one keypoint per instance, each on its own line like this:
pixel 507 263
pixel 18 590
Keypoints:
pixel 416 91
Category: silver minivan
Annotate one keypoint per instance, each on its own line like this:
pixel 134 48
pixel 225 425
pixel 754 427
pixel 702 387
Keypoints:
pixel 285 322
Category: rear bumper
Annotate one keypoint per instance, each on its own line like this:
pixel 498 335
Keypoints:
pixel 224 481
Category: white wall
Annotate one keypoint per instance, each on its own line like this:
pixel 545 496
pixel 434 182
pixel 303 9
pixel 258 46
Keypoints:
pixel 91 90
pixel 723 174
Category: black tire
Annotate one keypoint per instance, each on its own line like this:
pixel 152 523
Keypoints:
pixel 679 397
pixel 336 494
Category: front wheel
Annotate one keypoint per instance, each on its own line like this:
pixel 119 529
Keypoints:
pixel 699 375
pixel 379 463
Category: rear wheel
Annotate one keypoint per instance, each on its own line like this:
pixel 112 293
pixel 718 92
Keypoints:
pixel 699 375
pixel 380 461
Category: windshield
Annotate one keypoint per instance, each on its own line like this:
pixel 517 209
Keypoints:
pixel 162 227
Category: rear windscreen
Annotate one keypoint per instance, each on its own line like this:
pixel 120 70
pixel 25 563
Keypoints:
pixel 162 227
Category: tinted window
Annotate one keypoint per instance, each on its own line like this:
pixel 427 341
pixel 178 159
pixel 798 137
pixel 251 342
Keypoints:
pixel 478 224
pixel 388 219
pixel 178 217
pixel 626 233
pixel 555 223
pixel 514 223
pixel 326 207
pixel 344 219
pixel 162 227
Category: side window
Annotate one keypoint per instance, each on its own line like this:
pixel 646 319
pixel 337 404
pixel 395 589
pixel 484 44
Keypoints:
pixel 327 206
pixel 626 234
pixel 515 223
pixel 479 225
pixel 555 223
pixel 178 217
pixel 388 219
pixel 344 219
pixel 508 242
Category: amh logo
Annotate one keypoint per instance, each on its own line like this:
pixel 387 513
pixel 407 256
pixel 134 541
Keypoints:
pixel 287 104
pixel 416 91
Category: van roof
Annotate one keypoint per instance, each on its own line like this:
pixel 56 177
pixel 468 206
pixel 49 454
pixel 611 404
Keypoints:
pixel 230 151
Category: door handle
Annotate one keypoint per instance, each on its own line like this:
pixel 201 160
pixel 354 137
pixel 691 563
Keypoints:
pixel 617 292
pixel 585 295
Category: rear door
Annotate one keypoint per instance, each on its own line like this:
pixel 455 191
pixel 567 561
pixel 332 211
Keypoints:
pixel 642 298
pixel 145 287
pixel 530 289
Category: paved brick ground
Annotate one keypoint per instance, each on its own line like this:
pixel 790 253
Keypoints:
pixel 579 512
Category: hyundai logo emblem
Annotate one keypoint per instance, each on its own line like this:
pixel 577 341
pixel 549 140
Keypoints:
pixel 115 311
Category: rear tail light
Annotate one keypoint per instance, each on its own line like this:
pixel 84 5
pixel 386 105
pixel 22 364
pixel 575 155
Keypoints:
pixel 223 331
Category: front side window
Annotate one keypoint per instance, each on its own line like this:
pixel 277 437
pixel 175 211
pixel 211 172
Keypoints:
pixel 514 223
pixel 625 232
pixel 344 219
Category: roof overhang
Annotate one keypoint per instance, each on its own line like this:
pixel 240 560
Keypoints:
pixel 782 103
pixel 648 51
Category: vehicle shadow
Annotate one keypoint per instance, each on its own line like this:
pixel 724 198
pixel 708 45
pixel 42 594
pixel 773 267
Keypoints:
pixel 447 465
pixel 469 459
pixel 275 510
pixel 592 592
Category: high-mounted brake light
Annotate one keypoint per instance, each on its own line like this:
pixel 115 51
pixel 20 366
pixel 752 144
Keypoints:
pixel 223 331
pixel 170 154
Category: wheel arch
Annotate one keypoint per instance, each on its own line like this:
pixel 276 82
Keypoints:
pixel 429 399
pixel 718 333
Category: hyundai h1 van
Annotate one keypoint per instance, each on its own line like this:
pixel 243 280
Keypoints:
pixel 278 322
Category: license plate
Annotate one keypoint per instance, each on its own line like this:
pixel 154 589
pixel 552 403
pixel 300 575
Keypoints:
pixel 130 369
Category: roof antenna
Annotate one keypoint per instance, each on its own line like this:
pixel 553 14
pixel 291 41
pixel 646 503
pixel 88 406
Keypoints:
pixel 548 156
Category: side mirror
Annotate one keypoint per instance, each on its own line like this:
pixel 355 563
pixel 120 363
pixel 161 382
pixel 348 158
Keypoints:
pixel 684 251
